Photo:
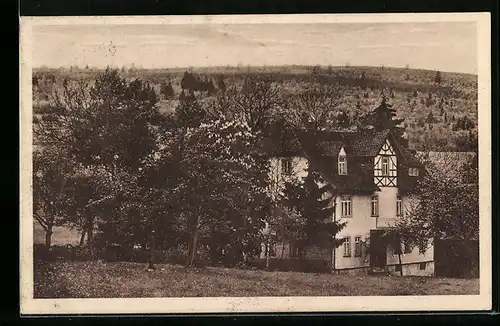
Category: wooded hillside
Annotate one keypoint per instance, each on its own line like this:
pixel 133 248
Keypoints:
pixel 440 109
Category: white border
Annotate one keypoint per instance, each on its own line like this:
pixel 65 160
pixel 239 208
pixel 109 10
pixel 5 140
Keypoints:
pixel 256 304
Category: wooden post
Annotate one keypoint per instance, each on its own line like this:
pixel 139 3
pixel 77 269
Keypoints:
pixel 400 264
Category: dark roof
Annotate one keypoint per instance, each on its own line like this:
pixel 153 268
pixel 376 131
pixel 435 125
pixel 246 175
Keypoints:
pixel 369 143
pixel 358 178
pixel 330 148
pixel 321 149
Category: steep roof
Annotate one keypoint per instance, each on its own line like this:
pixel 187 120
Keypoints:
pixel 369 143
pixel 322 148
pixel 330 148
pixel 322 157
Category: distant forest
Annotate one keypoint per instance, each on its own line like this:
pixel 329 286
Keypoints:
pixel 439 109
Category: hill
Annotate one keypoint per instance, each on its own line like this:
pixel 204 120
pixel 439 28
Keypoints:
pixel 440 113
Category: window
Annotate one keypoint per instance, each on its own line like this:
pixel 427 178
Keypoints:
pixel 398 268
pixel 357 246
pixel 342 165
pixel 399 206
pixel 413 172
pixel 422 266
pixel 346 206
pixel 374 205
pixel 347 247
pixel 286 166
pixel 385 166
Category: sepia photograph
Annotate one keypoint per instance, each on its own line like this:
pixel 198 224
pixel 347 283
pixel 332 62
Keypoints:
pixel 278 163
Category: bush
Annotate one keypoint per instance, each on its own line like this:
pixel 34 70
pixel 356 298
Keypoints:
pixel 175 255
pixel 42 109
pixel 41 254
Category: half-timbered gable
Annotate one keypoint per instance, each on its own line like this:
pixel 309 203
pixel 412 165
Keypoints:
pixel 386 166
pixel 369 175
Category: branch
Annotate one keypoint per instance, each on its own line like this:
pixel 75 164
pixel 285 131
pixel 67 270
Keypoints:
pixel 41 221
pixel 98 201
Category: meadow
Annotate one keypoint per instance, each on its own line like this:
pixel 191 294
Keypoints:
pixel 132 280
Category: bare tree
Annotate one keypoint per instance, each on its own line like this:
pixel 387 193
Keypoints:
pixel 316 108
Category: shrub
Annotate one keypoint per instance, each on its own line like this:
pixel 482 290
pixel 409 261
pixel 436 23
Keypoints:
pixel 40 253
pixel 42 109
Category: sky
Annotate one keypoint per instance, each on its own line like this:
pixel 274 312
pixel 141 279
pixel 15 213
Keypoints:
pixel 435 46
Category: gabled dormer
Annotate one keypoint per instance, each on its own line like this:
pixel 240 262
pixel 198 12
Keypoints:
pixel 342 162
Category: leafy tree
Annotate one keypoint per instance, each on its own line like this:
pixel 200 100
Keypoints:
pixel 167 90
pixel 35 80
pixel 256 104
pixel 363 80
pixel 189 81
pixel 313 203
pixel 438 79
pixel 429 101
pixel 445 205
pixel 315 108
pixel 51 172
pixel 222 197
pixel 220 84
pixel 110 128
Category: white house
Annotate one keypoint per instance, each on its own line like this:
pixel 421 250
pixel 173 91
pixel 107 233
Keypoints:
pixel 370 176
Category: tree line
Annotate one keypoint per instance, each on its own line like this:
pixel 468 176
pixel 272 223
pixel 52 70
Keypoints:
pixel 111 166
pixel 114 168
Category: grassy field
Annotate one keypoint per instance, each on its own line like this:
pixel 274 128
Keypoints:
pixel 108 280
pixel 61 236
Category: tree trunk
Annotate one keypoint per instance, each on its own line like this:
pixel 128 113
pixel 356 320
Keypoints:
pixel 152 251
pixel 267 254
pixel 48 237
pixel 82 237
pixel 332 254
pixel 90 239
pixel 400 264
pixel 194 242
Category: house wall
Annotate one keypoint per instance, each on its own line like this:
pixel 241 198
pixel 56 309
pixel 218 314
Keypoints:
pixel 278 179
pixel 387 202
pixel 359 224
pixel 412 260
pixel 413 269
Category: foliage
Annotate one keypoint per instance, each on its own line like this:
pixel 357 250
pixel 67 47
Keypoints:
pixel 317 108
pixel 311 201
pixel 106 130
pixel 458 91
pixel 167 90
pixel 222 195
pixel 51 196
pixel 446 206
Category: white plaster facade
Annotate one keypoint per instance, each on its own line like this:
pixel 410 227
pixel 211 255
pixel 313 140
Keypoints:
pixel 361 220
